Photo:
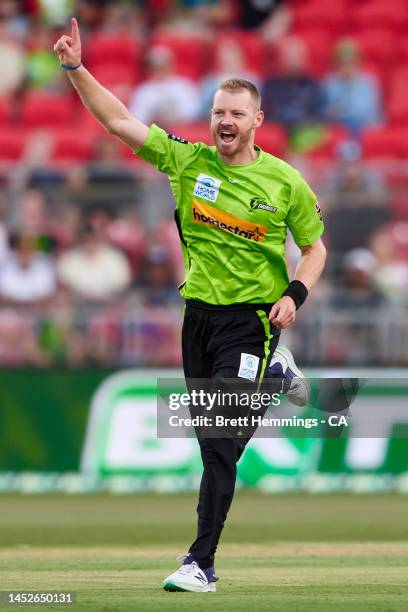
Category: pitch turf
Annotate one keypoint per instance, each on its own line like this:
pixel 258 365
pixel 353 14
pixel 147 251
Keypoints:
pixel 293 553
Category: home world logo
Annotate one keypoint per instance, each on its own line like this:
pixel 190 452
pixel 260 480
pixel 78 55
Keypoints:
pixel 207 187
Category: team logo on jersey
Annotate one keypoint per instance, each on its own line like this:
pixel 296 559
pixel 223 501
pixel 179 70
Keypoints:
pixel 177 138
pixel 219 219
pixel 318 211
pixel 207 187
pixel 260 203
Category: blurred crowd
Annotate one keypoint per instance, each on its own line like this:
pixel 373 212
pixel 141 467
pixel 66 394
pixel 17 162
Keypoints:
pixel 170 76
pixel 89 254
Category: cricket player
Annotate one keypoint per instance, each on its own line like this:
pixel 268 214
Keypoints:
pixel 234 205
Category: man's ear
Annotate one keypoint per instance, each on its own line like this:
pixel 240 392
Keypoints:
pixel 259 117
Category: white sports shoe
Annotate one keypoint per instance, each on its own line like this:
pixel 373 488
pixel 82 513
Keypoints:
pixel 189 577
pixel 294 383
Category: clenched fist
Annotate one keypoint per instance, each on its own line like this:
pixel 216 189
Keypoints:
pixel 69 47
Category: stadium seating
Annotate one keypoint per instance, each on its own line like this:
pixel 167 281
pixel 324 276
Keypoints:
pixel 68 147
pixel 46 110
pixel 331 16
pixel 378 14
pixel 119 79
pixel 114 49
pixel 12 141
pixel 116 61
pixel 377 46
pixel 319 42
pixel 252 46
pixel 327 149
pixel 4 111
pixel 271 137
pixel 191 53
pixel 193 132
pixel 401 59
pixel 385 143
pixel 398 97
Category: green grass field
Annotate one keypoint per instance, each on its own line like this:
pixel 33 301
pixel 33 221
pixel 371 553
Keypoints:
pixel 278 553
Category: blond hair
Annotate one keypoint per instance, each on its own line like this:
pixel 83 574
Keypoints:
pixel 236 85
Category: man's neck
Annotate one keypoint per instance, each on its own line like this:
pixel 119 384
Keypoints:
pixel 241 158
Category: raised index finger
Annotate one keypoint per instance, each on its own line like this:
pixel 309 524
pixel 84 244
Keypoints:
pixel 74 30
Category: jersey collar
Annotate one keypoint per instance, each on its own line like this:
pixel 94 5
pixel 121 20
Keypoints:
pixel 240 166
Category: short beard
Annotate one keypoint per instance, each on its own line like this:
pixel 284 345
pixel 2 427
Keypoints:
pixel 243 140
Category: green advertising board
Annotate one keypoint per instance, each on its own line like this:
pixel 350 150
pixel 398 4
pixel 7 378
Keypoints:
pixel 97 430
pixel 122 438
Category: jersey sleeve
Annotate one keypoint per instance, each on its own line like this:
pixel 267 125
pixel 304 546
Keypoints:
pixel 304 218
pixel 167 152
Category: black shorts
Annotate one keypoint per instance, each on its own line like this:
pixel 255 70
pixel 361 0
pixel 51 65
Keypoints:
pixel 227 348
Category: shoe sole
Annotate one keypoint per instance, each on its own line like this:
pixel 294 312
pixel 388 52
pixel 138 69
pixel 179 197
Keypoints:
pixel 283 351
pixel 173 588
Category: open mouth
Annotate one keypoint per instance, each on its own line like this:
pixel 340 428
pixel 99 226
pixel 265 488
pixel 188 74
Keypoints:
pixel 227 137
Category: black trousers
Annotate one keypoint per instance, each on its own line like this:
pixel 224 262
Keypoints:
pixel 214 340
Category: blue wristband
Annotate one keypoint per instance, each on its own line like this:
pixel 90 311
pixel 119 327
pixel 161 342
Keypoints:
pixel 66 67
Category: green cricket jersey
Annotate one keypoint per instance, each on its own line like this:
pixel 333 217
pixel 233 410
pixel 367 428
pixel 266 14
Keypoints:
pixel 233 219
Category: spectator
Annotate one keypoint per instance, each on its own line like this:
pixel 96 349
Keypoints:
pixel 94 270
pixel 32 211
pixel 164 98
pixel 35 221
pixel 202 17
pixel 11 61
pixel 55 12
pixel 42 65
pixel 230 62
pixel 356 201
pixel 126 233
pixel 358 290
pixel 18 342
pixel 122 231
pixel 26 276
pixel 158 279
pixel 105 181
pixel 354 339
pixel 166 234
pixel 159 336
pixel 125 17
pixel 292 97
pixel 271 17
pixel 3 242
pixel 91 13
pixel 391 274
pixel 352 95
pixel 12 15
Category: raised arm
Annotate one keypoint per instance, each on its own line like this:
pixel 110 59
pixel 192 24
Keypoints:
pixel 104 106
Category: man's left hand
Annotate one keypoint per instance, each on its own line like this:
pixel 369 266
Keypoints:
pixel 283 313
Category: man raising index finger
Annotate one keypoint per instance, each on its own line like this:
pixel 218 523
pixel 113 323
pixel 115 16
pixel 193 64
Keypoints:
pixel 234 205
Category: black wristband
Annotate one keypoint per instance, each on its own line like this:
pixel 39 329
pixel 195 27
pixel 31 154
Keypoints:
pixel 297 291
